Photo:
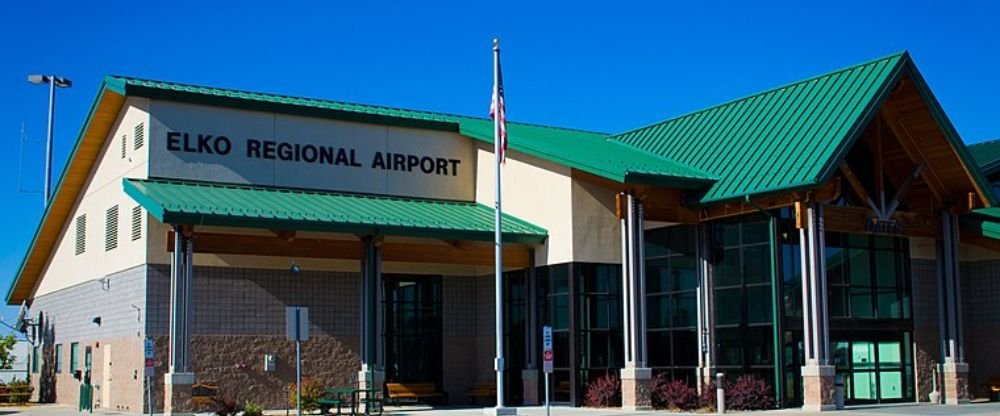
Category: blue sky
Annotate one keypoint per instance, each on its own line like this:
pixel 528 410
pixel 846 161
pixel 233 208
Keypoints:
pixel 577 64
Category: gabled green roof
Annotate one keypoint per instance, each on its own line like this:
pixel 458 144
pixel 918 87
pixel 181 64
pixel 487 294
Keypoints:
pixel 777 140
pixel 586 151
pixel 185 202
pixel 987 156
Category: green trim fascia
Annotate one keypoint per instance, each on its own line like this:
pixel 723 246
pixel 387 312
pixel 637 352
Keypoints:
pixel 59 183
pixel 862 122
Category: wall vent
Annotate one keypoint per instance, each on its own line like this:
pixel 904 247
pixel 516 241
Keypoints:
pixel 124 144
pixel 136 222
pixel 111 229
pixel 140 135
pixel 81 234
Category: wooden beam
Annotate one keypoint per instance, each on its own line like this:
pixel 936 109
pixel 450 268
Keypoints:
pixel 286 235
pixel 853 220
pixel 858 188
pixel 515 255
pixel 901 192
pixel 895 122
pixel 827 192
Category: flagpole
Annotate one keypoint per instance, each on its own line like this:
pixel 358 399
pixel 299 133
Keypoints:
pixel 498 243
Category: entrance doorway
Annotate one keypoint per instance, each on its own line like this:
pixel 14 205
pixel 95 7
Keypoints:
pixel 875 370
pixel 413 351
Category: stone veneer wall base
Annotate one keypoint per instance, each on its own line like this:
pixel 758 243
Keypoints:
pixel 637 384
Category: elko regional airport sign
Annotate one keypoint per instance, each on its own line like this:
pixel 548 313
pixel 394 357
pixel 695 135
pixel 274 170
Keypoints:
pixel 245 147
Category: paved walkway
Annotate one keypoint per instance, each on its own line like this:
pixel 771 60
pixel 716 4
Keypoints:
pixel 882 410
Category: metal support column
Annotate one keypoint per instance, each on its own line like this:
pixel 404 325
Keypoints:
pixel 178 303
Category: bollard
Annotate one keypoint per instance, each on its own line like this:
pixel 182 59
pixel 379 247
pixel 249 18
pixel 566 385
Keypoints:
pixel 720 393
pixel 838 391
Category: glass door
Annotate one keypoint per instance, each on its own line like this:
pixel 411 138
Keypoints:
pixel 413 350
pixel 874 371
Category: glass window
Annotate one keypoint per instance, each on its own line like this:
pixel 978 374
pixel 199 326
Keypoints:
pixel 671 305
pixel 35 359
pixel 59 358
pixel 728 306
pixel 877 281
pixel 74 357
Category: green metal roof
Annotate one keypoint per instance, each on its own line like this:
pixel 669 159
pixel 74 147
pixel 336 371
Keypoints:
pixel 985 221
pixel 776 140
pixel 586 151
pixel 199 203
pixel 987 156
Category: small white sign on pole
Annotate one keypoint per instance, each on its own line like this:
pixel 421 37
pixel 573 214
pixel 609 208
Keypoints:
pixel 547 358
pixel 297 323
pixel 547 354
pixel 150 356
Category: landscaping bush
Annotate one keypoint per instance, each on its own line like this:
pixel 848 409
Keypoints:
pixel 749 392
pixel 225 406
pixel 252 409
pixel 20 391
pixel 673 394
pixel 604 391
pixel 707 398
pixel 312 390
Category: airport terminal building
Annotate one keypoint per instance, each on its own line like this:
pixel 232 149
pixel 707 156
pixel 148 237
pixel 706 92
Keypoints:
pixel 834 226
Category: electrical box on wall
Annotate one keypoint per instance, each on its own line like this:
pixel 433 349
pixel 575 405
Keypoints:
pixel 270 362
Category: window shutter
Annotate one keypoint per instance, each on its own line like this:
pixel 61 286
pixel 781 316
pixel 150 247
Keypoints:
pixel 140 135
pixel 81 234
pixel 111 229
pixel 136 222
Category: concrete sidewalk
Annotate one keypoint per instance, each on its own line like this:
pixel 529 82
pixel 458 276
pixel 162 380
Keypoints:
pixel 879 410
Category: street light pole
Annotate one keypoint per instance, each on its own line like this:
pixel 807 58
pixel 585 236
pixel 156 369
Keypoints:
pixel 53 82
pixel 48 141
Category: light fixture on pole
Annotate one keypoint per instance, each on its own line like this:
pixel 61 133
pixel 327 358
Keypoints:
pixel 53 82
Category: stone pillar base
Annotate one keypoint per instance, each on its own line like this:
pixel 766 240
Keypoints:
pixel 818 388
pixel 637 384
pixel 503 411
pixel 956 383
pixel 177 394
pixel 531 379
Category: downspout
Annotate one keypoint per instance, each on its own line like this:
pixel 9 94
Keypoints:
pixel 775 296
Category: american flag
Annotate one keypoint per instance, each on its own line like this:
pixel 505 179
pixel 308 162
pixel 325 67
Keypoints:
pixel 498 109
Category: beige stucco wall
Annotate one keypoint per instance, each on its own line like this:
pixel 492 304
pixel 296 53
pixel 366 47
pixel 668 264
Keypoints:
pixel 103 190
pixel 534 190
pixel 596 228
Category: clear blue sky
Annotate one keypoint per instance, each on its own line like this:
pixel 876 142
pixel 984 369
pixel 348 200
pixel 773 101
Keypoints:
pixel 578 64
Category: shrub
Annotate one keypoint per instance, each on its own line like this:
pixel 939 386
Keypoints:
pixel 707 398
pixel 604 391
pixel 225 406
pixel 749 392
pixel 252 409
pixel 312 390
pixel 20 391
pixel 673 394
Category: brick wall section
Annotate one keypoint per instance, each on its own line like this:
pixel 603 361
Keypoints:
pixel 925 323
pixel 67 316
pixel 981 321
pixel 240 301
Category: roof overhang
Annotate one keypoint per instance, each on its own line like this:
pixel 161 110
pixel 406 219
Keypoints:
pixel 86 150
pixel 198 203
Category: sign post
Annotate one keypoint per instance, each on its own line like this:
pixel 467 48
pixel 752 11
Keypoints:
pixel 150 356
pixel 297 329
pixel 547 358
